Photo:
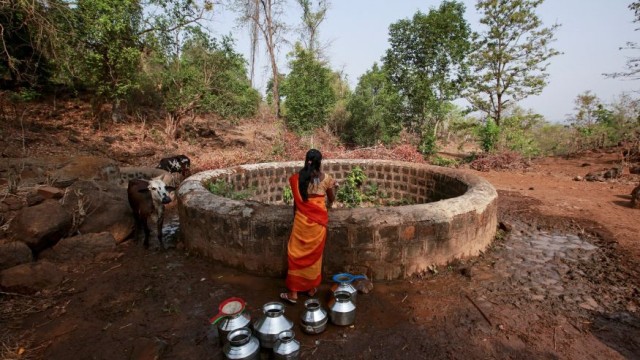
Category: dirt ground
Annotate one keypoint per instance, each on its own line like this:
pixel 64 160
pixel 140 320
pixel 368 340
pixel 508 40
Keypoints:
pixel 561 281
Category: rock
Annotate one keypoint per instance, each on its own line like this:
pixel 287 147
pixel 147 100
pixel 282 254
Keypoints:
pixel 30 278
pixel 635 197
pixel 364 285
pixel 578 178
pixel 100 206
pixel 13 203
pixel 14 253
pixel 80 247
pixel 50 192
pixel 86 168
pixel 145 173
pixel 505 226
pixel 595 176
pixel 585 164
pixel 41 226
pixel 613 173
pixel 34 198
pixel 634 170
pixel 466 271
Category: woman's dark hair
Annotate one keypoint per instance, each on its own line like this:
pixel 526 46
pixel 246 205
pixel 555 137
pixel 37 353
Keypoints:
pixel 310 170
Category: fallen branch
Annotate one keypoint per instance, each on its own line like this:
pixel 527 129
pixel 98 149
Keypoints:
pixel 479 310
pixel 111 268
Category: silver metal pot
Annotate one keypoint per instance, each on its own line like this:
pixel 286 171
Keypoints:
pixel 342 311
pixel 271 323
pixel 345 286
pixel 241 345
pixel 314 319
pixel 286 347
pixel 233 322
pixel 343 283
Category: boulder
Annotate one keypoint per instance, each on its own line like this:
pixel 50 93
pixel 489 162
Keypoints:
pixel 364 286
pixel 635 197
pixel 42 225
pixel 145 173
pixel 100 206
pixel 81 247
pixel 50 192
pixel 14 253
pixel 33 198
pixel 30 278
pixel 86 168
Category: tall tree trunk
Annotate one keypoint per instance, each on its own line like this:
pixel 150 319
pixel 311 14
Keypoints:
pixel 271 48
pixel 254 38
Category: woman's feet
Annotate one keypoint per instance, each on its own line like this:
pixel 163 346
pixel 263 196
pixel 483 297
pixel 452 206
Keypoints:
pixel 291 299
pixel 312 292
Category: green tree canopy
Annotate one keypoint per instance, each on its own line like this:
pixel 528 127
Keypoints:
pixel 308 92
pixel 373 110
pixel 206 76
pixel 510 57
pixel 426 61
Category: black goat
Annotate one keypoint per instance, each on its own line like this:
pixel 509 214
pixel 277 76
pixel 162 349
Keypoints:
pixel 176 164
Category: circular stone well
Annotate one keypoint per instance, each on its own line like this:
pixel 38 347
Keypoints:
pixel 453 216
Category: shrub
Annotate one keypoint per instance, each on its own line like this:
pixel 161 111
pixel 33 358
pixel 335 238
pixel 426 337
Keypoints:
pixel 442 161
pixel 222 188
pixel 349 192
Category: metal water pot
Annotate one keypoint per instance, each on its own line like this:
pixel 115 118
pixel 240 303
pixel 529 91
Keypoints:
pixel 233 322
pixel 343 283
pixel 314 319
pixel 342 311
pixel 286 347
pixel 271 323
pixel 241 345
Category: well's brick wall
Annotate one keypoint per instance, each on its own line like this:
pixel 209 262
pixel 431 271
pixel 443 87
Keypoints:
pixel 454 217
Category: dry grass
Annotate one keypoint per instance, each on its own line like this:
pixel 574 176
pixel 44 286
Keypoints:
pixel 500 161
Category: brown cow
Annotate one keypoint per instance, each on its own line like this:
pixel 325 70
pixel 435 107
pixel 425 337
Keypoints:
pixel 147 198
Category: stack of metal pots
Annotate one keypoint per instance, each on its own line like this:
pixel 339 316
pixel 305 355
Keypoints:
pixel 286 347
pixel 241 345
pixel 271 324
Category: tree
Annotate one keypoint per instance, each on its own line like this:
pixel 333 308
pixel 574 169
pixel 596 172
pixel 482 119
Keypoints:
pixel 427 63
pixel 510 57
pixel 633 63
pixel 206 76
pixel 264 16
pixel 112 37
pixel 30 40
pixel 109 47
pixel 311 22
pixel 586 110
pixel 373 110
pixel 308 91
pixel 338 116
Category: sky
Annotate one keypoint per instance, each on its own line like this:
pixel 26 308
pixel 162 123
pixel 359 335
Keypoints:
pixel 356 32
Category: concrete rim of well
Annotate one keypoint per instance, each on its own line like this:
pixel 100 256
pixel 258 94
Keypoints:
pixel 477 206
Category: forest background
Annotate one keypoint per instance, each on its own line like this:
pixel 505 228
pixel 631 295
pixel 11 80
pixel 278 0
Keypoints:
pixel 157 60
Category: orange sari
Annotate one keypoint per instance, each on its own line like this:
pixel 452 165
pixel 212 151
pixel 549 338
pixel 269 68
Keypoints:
pixel 307 240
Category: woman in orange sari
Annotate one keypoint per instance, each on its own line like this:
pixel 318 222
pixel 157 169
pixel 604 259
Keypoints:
pixel 306 243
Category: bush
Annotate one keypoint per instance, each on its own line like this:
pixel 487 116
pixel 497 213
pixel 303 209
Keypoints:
pixel 349 192
pixel 489 135
pixel 222 188
pixel 442 161
pixel 508 160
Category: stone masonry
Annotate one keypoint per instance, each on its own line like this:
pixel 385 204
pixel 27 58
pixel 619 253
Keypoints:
pixel 453 216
